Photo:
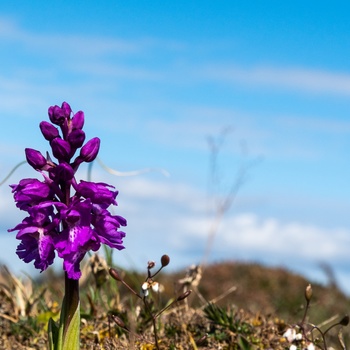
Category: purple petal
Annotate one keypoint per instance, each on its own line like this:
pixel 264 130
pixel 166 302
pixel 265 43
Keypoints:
pixel 41 250
pixel 97 192
pixel 72 266
pixel 72 245
pixel 106 227
pixel 46 251
pixel 30 192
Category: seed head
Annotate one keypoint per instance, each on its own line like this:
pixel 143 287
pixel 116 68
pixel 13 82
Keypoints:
pixel 344 321
pixel 165 260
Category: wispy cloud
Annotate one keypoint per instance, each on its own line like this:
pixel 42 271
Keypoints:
pixel 178 222
pixel 270 236
pixel 80 45
pixel 117 70
pixel 308 124
pixel 185 218
pixel 105 62
pixel 83 48
pixel 303 79
pixel 55 44
pixel 167 217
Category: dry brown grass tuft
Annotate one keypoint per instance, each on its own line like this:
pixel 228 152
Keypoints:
pixel 260 305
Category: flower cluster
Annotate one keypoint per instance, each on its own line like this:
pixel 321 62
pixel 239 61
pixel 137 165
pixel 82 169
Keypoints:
pixel 58 221
pixel 297 340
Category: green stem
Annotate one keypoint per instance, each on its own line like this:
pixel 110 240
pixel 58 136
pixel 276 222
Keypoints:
pixel 71 300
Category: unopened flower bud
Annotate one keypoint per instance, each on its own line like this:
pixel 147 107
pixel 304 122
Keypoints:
pixel 61 149
pixel 62 171
pixel 165 260
pixel 58 115
pixel 118 321
pixel 49 131
pixel 115 274
pixel 35 158
pixel 78 120
pixel 184 295
pixel 89 151
pixel 308 293
pixel 66 108
pixel 76 138
pixel 202 340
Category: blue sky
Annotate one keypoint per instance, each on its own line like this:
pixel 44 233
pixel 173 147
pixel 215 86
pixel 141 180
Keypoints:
pixel 155 80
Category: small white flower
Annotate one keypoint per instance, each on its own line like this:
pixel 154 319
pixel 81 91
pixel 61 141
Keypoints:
pixel 293 347
pixel 138 310
pixel 290 334
pixel 144 289
pixel 298 336
pixel 146 286
pixel 155 287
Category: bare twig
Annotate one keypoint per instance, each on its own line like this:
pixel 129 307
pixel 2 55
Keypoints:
pixel 224 204
pixel 12 171
pixel 125 173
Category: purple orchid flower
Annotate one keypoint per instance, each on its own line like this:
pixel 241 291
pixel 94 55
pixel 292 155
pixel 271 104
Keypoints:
pixel 70 225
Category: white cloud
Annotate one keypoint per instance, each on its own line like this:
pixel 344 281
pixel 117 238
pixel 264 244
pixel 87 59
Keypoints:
pixel 80 45
pixel 115 71
pixel 184 214
pixel 319 125
pixel 167 217
pixel 54 44
pixel 184 221
pixel 84 53
pixel 270 236
pixel 301 79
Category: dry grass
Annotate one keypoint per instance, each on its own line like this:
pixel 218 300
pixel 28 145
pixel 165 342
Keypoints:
pixel 232 306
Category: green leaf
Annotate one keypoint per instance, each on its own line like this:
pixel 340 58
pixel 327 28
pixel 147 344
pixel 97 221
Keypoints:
pixel 244 344
pixel 53 331
pixel 71 339
pixel 44 317
pixel 59 340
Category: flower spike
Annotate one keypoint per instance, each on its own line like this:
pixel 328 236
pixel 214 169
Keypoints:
pixel 60 222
